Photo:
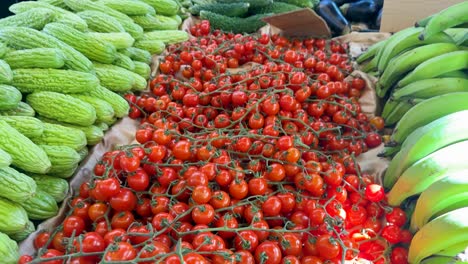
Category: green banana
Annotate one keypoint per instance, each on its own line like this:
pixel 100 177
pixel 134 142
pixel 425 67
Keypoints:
pixel 431 87
pixel 399 111
pixel 408 41
pixel 389 151
pixel 459 35
pixel 390 176
pixel 453 188
pixel 441 260
pixel 419 176
pixel 423 22
pixel 389 106
pixel 454 74
pixel 441 233
pixel 452 61
pixel 454 250
pixel 370 66
pixel 428 111
pixel 447 18
pixel 393 39
pixel 451 207
pixel 407 61
pixel 370 52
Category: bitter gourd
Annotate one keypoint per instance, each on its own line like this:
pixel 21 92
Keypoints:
pixel 104 111
pixel 9 97
pixel 64 160
pixel 275 8
pixel 142 69
pixel 101 22
pixel 227 9
pixel 61 15
pixel 83 153
pixel 16 186
pixel 54 80
pixel 41 206
pixel 164 7
pixel 56 187
pixel 93 48
pixel 93 133
pixel 120 40
pixel 29 126
pixel 24 153
pixel 28 38
pixel 115 78
pixel 152 46
pixel 119 104
pixel 23 109
pixel 3 49
pixel 166 36
pixel 137 54
pixel 57 3
pixel 177 18
pixel 252 3
pixel 129 7
pixel 9 252
pixel 35 18
pixel 36 58
pixel 5 73
pixel 23 234
pixel 106 70
pixel 57 135
pixel 5 159
pixel 234 24
pixel 125 62
pixel 13 217
pixel 62 107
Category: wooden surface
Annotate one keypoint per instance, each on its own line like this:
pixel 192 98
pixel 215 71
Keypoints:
pixel 302 22
pixel 400 14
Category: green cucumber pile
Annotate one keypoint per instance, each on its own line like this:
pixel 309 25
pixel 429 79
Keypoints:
pixel 64 66
pixel 243 16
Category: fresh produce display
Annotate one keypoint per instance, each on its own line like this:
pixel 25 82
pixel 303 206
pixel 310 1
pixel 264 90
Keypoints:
pixel 237 164
pixel 422 77
pixel 61 63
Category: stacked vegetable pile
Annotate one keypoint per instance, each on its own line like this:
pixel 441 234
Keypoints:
pixel 61 75
pixel 423 71
pixel 237 165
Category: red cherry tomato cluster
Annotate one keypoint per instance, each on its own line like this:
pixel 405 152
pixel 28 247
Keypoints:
pixel 247 154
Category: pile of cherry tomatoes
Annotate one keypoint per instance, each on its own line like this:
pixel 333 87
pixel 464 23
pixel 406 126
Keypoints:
pixel 247 154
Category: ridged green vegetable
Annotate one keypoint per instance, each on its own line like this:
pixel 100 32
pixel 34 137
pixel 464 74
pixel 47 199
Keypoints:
pixel 62 107
pixel 25 154
pixel 35 18
pixel 41 206
pixel 126 22
pixel 3 49
pixel 13 217
pixel 36 58
pixel 5 159
pixel 275 8
pixel 56 187
pixel 9 252
pixel 23 234
pixel 54 80
pixel 120 40
pixel 166 36
pixel 157 22
pixel 115 78
pixel 104 111
pixel 64 160
pixel 23 109
pixel 16 186
pixel 57 3
pixel 124 61
pixel 27 38
pixel 83 153
pixel 103 126
pixel 9 97
pixel 28 126
pixel 61 15
pixel 164 7
pixel 142 69
pixel 301 3
pixel 5 73
pixel 137 54
pixel 140 82
pixel 129 7
pixel 227 9
pixel 152 46
pixel 252 3
pixel 93 48
pixel 101 22
pixel 119 104
pixel 93 133
pixel 57 135
pixel 234 24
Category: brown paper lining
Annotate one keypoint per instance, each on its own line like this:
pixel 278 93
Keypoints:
pixel 123 132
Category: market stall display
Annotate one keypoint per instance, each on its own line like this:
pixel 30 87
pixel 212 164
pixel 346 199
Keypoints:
pixel 241 145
